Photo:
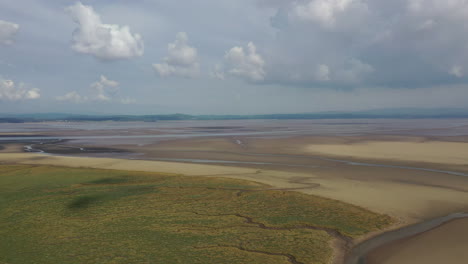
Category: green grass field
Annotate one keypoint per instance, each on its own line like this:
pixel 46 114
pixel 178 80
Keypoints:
pixel 66 215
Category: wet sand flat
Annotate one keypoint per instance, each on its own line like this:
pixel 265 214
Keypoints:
pixel 447 243
pixel 306 158
pixel 432 151
pixel 408 203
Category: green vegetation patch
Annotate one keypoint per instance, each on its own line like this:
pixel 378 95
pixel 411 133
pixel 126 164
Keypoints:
pixel 68 215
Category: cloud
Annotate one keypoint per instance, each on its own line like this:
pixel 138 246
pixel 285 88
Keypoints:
pixel 72 97
pixel 12 92
pixel 456 71
pixel 437 7
pixel 182 59
pixel 217 72
pixel 324 12
pixel 322 73
pixel 247 64
pixel 8 32
pixel 103 41
pixel 103 90
pixel 413 43
pixel 346 73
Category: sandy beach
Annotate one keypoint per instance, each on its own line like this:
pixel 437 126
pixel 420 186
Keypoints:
pixel 429 151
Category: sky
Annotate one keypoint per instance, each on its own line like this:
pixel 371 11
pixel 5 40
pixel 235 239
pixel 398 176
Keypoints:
pixel 231 56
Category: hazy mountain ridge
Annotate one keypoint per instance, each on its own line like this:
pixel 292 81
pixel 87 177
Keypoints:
pixel 378 113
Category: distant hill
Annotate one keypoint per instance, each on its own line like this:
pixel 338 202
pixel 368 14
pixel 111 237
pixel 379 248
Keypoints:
pixel 407 113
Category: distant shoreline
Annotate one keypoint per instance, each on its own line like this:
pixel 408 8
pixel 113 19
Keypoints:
pixel 25 118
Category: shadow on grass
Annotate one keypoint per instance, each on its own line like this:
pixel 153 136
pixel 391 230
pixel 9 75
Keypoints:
pixel 109 181
pixel 91 200
pixel 84 202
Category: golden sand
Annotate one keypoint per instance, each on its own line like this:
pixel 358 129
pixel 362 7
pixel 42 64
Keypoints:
pixel 432 151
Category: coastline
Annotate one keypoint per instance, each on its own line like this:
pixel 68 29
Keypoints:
pixel 359 247
pixel 360 251
pixel 345 181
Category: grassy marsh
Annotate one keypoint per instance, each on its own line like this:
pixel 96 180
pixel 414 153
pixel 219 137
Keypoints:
pixel 75 215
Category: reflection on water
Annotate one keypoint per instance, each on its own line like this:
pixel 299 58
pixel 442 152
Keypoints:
pixel 234 162
pixel 311 166
pixel 397 167
pixel 190 135
pixel 428 127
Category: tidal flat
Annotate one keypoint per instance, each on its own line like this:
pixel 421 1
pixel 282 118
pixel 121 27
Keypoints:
pixel 412 171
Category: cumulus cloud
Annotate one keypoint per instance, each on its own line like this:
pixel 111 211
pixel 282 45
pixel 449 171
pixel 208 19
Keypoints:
pixel 72 97
pixel 324 12
pixel 245 63
pixel 411 43
pixel 322 73
pixel 348 72
pixel 103 41
pixel 8 32
pixel 217 72
pixel 12 92
pixel 456 71
pixel 104 90
pixel 33 93
pixel 182 59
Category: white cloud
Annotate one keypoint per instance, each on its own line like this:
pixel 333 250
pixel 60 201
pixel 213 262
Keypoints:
pixel 72 97
pixel 322 73
pixel 33 93
pixel 8 32
pixel 428 13
pixel 388 34
pixel 217 72
pixel 348 72
pixel 182 59
pixel 104 90
pixel 456 71
pixel 104 41
pixel 13 92
pixel 324 12
pixel 246 64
